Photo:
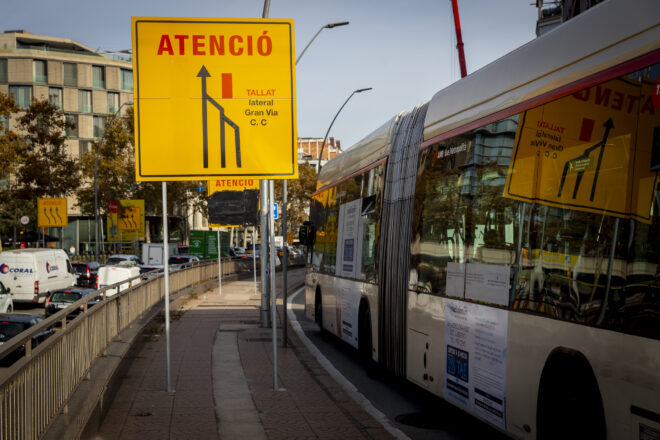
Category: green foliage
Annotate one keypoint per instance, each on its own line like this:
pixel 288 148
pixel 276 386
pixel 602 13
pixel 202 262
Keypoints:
pixel 33 160
pixel 299 192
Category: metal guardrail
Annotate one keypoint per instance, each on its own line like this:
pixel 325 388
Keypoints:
pixel 38 386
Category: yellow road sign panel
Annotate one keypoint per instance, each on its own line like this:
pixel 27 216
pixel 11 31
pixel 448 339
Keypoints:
pixel 585 152
pixel 129 219
pixel 214 98
pixel 121 218
pixel 52 213
pixel 232 184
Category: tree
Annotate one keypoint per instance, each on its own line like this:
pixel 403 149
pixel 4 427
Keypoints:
pixel 299 193
pixel 116 176
pixel 35 163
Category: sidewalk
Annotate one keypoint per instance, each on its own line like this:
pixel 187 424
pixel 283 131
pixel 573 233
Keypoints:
pixel 222 376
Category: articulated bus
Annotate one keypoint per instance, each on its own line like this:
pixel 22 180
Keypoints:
pixel 499 245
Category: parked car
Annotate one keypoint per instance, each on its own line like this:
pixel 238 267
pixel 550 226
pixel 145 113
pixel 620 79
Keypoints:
pixel 63 298
pixel 181 261
pixel 238 253
pixel 32 274
pixel 86 273
pixel 122 258
pixel 109 275
pixel 12 325
pixel 6 303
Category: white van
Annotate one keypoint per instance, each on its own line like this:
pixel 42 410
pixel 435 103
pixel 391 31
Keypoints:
pixel 6 304
pixel 109 275
pixel 31 274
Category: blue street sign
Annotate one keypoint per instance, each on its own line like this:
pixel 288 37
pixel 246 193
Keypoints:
pixel 275 211
pixel 200 188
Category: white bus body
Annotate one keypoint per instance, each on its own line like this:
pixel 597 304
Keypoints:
pixel 534 306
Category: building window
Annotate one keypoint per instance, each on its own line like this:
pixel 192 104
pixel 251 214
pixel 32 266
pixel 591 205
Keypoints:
pixel 98 77
pixel 4 77
pixel 126 79
pixel 73 131
pixel 55 97
pixel 84 147
pixel 22 95
pixel 71 74
pixel 40 72
pixel 113 102
pixel 4 124
pixel 84 101
pixel 99 126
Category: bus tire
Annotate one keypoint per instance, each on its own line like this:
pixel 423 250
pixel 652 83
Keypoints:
pixel 365 339
pixel 318 312
pixel 569 404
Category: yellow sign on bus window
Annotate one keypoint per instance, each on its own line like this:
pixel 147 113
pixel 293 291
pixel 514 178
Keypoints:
pixel 587 152
pixel 52 213
pixel 214 98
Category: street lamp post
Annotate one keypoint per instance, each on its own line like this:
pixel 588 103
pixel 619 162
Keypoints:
pixel 285 248
pixel 327 26
pixel 318 167
pixel 96 175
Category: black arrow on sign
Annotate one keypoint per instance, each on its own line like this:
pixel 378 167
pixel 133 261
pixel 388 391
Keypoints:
pixel 584 156
pixel 203 73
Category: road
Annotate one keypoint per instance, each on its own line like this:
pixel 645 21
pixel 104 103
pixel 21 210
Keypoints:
pixel 408 408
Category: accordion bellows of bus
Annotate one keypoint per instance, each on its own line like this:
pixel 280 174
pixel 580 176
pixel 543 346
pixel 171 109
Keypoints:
pixel 499 245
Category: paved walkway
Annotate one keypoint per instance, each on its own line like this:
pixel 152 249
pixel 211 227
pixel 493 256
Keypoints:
pixel 222 376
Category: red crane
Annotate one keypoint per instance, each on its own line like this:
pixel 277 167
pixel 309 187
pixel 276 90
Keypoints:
pixel 459 38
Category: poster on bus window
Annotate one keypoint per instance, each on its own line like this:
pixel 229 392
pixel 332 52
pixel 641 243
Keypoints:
pixel 349 264
pixel 475 359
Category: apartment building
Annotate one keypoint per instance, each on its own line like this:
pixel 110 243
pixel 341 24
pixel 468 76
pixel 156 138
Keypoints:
pixel 84 83
pixel 309 150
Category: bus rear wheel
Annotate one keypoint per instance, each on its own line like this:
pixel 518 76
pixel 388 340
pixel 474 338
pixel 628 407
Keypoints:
pixel 318 309
pixel 569 402
pixel 365 340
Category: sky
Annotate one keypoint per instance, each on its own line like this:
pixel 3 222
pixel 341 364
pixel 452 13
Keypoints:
pixel 405 50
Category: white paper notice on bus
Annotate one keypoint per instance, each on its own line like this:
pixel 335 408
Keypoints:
pixel 455 279
pixel 475 345
pixel 349 240
pixel 488 283
pixel 479 282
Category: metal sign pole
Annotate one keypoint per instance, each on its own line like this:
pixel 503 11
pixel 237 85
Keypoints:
pixel 254 259
pixel 219 262
pixel 273 291
pixel 263 251
pixel 285 253
pixel 166 278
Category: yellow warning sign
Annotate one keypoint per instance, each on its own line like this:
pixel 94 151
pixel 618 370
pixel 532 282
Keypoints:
pixel 52 213
pixel 129 219
pixel 125 220
pixel 214 98
pixel 585 152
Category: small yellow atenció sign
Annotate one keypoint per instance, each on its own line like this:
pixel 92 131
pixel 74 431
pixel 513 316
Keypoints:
pixel 52 213
pixel 214 98
pixel 232 184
